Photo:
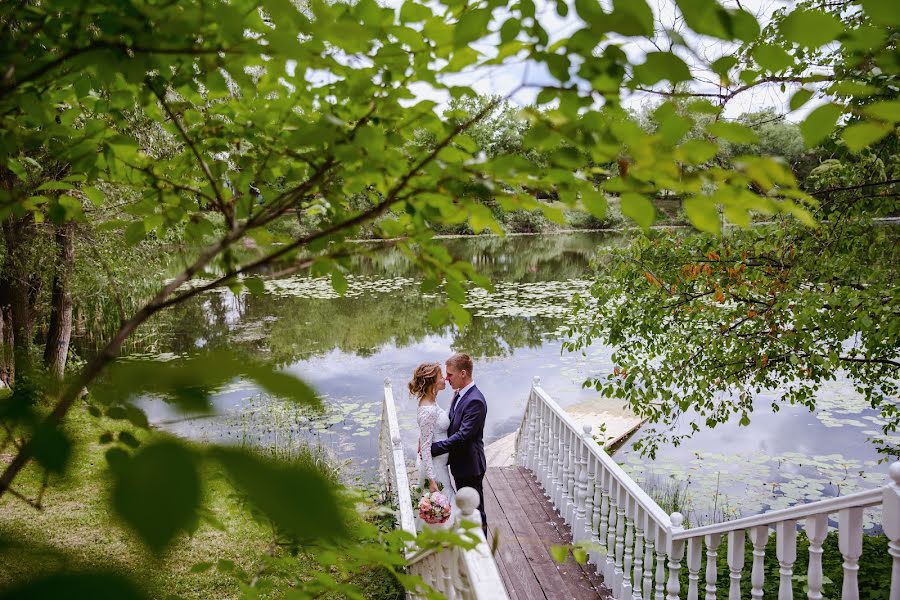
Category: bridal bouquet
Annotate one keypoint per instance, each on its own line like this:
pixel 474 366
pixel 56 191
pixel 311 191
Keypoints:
pixel 434 508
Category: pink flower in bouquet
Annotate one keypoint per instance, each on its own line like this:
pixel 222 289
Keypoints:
pixel 434 508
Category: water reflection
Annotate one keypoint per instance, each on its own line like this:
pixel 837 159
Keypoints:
pixel 347 346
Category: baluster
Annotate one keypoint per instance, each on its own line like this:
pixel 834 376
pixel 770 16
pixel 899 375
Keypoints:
pixel 540 465
pixel 890 511
pixel 448 584
pixel 637 577
pixel 816 530
pixel 759 536
pixel 662 542
pixel 621 499
pixel 556 459
pixel 712 554
pixel 694 558
pixel 850 542
pixel 628 558
pixel 526 443
pixel 547 443
pixel 735 563
pixel 610 573
pixel 576 443
pixel 603 527
pixel 584 497
pixel 675 551
pixel 649 546
pixel 566 500
pixel 786 552
pixel 596 491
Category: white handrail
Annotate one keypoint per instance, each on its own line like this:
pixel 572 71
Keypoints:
pixel 393 461
pixel 801 511
pixel 639 549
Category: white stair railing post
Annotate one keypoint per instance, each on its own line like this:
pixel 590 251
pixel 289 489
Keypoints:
pixel 675 550
pixel 620 540
pixel 891 518
pixel 850 533
pixel 603 529
pixel 735 563
pixel 609 574
pixel 543 473
pixel 694 558
pixel 816 529
pixel 596 489
pixel 649 547
pixel 570 444
pixel 556 459
pixel 759 536
pixel 662 545
pixel 712 554
pixel 637 579
pixel 584 498
pixel 628 558
pixel 786 552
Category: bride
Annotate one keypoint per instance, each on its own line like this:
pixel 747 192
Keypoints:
pixel 433 422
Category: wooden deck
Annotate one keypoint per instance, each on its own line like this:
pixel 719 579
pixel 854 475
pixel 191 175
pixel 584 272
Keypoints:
pixel 527 527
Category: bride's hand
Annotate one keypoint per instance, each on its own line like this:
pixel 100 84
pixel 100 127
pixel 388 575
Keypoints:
pixel 432 485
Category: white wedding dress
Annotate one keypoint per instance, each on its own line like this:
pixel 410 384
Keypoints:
pixel 433 425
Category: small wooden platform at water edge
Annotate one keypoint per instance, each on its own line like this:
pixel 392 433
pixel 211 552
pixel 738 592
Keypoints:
pixel 527 526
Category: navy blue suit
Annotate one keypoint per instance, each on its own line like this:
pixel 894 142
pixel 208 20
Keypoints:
pixel 465 444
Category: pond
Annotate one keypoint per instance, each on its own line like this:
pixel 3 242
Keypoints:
pixel 346 346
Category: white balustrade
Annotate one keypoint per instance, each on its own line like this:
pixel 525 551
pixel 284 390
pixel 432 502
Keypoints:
pixel 453 571
pixel 640 549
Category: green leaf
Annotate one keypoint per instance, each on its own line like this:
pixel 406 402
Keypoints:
pixel 94 195
pixel 811 28
pixel 54 185
pixel 800 98
pixel 157 492
pixel 733 132
pixel 460 315
pixel 696 152
pixel 509 30
pixel 413 12
pixel 135 232
pixel 886 110
pixel 638 208
pixel 256 285
pixel 201 567
pixel 471 26
pixel 702 212
pixel 51 448
pixel 820 123
pixel 722 65
pixel 297 498
pixel 772 58
pixel 882 12
pixel 338 281
pixel 77 586
pixel 559 553
pixel 659 66
pixel 862 135
pixel 281 384
pixel 595 203
pixel 580 555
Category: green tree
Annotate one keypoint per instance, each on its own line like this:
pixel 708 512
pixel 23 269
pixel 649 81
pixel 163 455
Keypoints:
pixel 703 323
pixel 225 119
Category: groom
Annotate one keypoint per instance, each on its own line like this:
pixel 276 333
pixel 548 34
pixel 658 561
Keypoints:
pixel 465 437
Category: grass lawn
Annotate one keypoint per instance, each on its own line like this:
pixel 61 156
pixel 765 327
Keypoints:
pixel 76 527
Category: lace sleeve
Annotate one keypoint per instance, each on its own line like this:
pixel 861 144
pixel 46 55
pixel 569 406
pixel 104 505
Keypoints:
pixel 427 418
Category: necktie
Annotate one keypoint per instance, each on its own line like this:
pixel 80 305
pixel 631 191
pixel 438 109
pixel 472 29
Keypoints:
pixel 453 404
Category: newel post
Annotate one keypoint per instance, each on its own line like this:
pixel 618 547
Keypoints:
pixel 891 512
pixel 467 501
pixel 675 551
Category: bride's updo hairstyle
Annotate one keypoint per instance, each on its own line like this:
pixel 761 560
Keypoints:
pixel 423 379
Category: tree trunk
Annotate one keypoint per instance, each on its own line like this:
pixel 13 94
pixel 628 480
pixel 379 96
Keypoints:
pixel 21 291
pixel 60 330
pixel 7 364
